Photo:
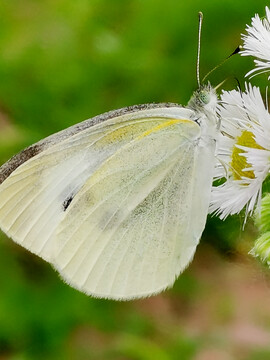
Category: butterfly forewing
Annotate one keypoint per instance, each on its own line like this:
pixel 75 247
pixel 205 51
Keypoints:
pixel 34 196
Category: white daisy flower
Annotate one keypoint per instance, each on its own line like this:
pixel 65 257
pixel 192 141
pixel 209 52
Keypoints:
pixel 257 43
pixel 243 153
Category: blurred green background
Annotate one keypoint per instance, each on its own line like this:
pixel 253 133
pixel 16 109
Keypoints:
pixel 62 61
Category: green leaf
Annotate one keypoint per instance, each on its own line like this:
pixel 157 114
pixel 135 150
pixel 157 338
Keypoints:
pixel 261 248
pixel 262 214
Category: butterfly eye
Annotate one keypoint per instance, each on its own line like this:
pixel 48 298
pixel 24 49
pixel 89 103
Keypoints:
pixel 204 97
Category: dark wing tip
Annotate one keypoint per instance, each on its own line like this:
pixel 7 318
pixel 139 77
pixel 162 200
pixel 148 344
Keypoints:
pixel 18 159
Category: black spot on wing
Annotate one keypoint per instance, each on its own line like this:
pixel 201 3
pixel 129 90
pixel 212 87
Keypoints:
pixel 67 202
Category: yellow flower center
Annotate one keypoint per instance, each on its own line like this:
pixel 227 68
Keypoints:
pixel 239 162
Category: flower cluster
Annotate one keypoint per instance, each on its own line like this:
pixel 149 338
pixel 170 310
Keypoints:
pixel 243 155
pixel 243 152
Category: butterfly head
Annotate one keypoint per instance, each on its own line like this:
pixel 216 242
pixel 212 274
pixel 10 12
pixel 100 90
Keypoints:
pixel 204 100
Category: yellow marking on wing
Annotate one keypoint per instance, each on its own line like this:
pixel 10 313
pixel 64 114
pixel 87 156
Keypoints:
pixel 162 126
pixel 119 134
pixel 131 131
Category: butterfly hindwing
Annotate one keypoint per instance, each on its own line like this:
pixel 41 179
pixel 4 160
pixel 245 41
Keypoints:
pixel 128 232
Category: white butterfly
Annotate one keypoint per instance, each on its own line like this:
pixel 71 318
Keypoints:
pixel 117 204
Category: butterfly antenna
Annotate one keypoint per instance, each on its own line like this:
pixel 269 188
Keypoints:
pixel 220 84
pixel 236 51
pixel 199 47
